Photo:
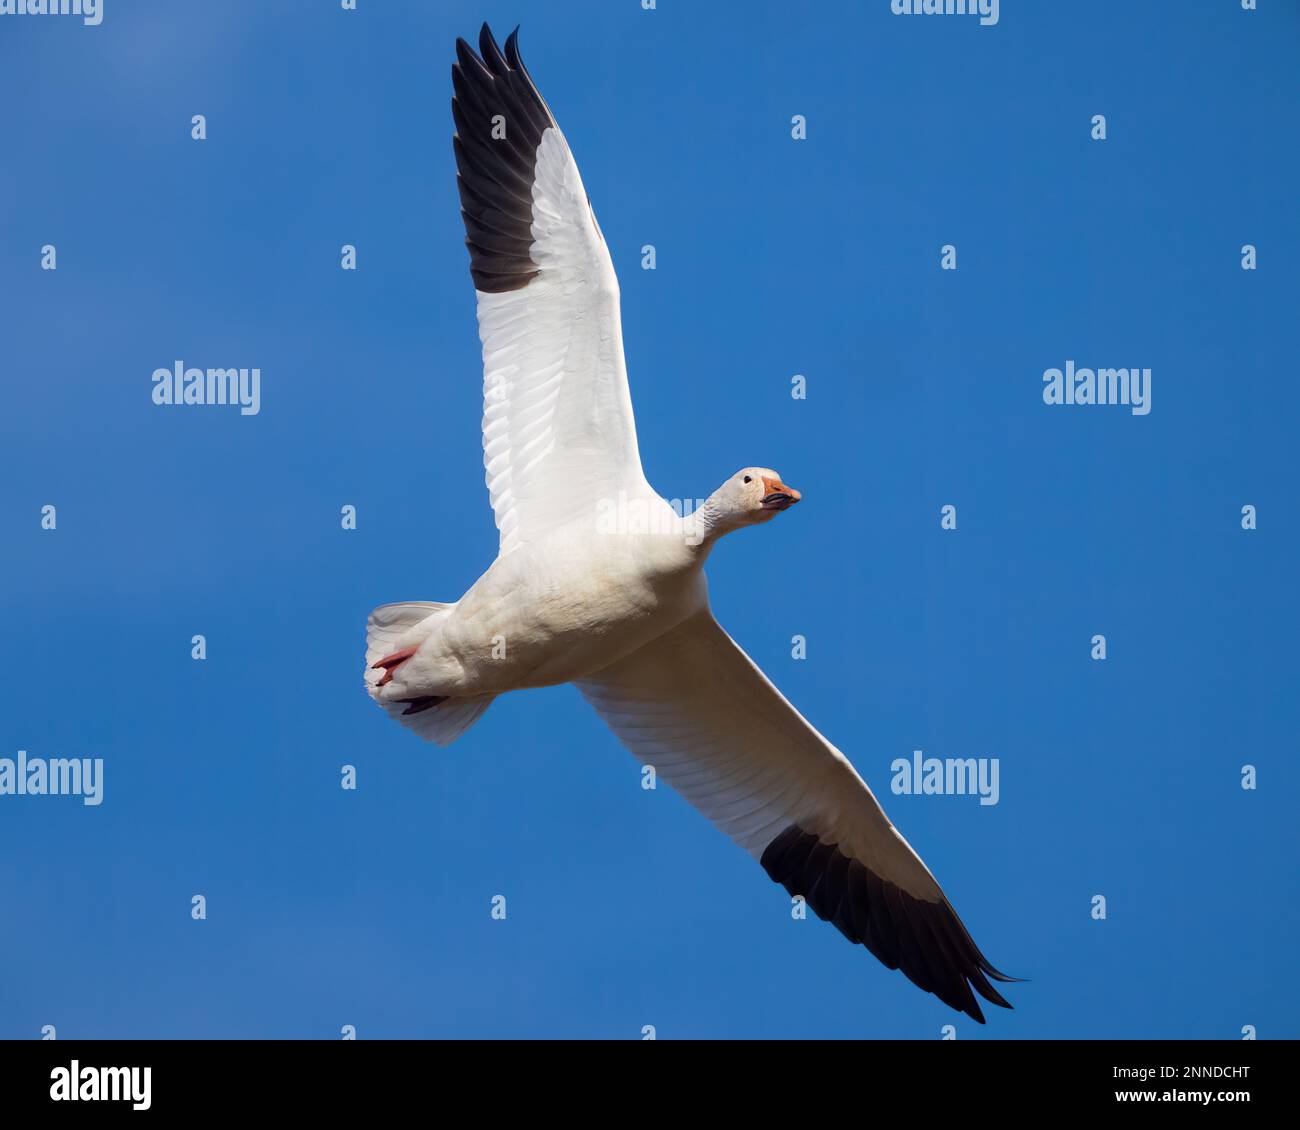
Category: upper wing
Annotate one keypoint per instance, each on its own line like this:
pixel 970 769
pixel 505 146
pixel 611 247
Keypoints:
pixel 696 707
pixel 558 433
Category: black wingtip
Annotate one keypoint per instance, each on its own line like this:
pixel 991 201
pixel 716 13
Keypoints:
pixel 487 47
pixel 927 941
pixel 496 170
pixel 1005 978
pixel 512 49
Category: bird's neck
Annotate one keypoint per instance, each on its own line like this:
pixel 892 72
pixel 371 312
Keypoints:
pixel 704 526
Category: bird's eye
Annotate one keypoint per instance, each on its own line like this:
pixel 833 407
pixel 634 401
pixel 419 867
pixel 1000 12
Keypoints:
pixel 748 479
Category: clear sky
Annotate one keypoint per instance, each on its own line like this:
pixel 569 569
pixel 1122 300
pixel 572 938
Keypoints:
pixel 775 257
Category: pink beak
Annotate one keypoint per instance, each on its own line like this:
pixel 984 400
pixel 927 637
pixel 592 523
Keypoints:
pixel 778 496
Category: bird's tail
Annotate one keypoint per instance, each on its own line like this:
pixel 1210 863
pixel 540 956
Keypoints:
pixel 396 628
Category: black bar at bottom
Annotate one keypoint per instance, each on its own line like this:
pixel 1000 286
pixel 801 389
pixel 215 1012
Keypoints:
pixel 365 1077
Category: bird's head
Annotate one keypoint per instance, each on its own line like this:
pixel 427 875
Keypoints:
pixel 750 496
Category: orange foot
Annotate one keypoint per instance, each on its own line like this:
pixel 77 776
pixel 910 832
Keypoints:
pixel 391 663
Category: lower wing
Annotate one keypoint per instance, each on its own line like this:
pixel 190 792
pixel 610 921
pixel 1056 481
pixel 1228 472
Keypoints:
pixel 697 708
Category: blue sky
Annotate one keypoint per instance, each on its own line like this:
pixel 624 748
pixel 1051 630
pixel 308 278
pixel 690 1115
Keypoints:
pixel 774 257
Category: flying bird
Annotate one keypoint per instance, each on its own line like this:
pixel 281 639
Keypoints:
pixel 598 581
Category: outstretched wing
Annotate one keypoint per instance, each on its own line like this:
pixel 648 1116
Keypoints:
pixel 558 433
pixel 694 705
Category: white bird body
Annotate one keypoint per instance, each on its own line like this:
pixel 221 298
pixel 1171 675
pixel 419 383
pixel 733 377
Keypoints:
pixel 599 582
pixel 553 613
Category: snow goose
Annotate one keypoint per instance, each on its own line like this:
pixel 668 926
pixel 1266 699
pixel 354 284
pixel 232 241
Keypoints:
pixel 599 582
